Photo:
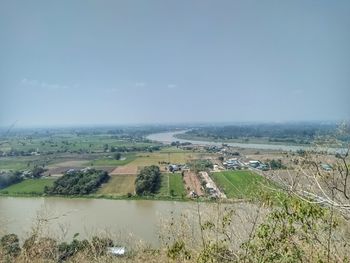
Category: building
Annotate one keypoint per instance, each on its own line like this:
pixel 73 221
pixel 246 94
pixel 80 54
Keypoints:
pixel 254 164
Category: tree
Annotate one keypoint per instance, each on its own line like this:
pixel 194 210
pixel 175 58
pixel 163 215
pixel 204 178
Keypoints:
pixel 78 183
pixel 148 180
pixel 117 156
pixel 275 164
pixel 7 179
pixel 105 147
pixel 38 171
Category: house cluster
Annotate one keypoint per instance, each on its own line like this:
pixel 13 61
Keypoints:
pixel 177 168
pixel 258 165
pixel 238 164
pixel 83 170
pixel 27 174
pixel 233 164
pixel 19 153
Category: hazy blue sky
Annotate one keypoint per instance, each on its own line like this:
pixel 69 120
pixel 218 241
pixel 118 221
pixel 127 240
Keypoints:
pixel 99 62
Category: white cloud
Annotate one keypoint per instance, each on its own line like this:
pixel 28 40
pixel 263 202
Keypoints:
pixel 44 85
pixel 112 90
pixel 29 82
pixel 140 84
pixel 297 92
pixel 171 86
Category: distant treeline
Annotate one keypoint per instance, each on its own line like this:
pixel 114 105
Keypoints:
pixel 302 133
pixel 69 148
pixel 120 131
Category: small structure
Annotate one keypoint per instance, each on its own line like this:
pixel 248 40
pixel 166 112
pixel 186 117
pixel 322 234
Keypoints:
pixel 27 173
pixel 326 167
pixel 232 163
pixel 254 164
pixel 86 169
pixel 263 167
pixel 173 168
pixel 70 171
pixel 116 251
pixel 193 194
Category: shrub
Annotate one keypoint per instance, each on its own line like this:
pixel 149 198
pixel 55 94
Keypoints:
pixel 10 245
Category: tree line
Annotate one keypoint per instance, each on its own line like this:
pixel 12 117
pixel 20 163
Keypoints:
pixel 78 182
pixel 296 133
pixel 9 178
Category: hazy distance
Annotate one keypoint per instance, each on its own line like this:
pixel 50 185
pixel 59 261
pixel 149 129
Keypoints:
pixel 122 62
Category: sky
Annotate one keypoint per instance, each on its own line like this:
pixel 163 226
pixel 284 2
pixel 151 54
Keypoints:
pixel 85 62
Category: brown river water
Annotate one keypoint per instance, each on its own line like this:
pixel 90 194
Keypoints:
pixel 125 221
pixel 63 217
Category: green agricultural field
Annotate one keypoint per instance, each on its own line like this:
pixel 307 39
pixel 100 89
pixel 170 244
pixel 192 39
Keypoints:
pixel 28 186
pixel 176 184
pixel 118 185
pixel 164 185
pixel 72 143
pixel 240 184
pixel 172 149
pixel 19 163
pixel 171 183
pixel 112 162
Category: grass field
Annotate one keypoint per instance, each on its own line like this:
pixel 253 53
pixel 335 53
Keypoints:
pixel 28 186
pixel 239 184
pixel 19 163
pixel 171 183
pixel 68 142
pixel 176 184
pixel 164 186
pixel 119 185
pixel 112 162
pixel 172 149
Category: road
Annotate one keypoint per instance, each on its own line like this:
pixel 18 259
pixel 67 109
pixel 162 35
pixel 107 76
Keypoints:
pixel 210 181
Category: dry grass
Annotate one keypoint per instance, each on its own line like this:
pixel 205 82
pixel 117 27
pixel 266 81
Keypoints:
pixel 71 163
pixel 155 158
pixel 119 185
pixel 127 169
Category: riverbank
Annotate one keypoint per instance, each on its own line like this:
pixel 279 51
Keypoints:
pixel 132 198
pixel 108 197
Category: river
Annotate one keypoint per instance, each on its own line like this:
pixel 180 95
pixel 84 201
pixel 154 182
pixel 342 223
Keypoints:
pixel 168 137
pixel 125 221
pixel 123 218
